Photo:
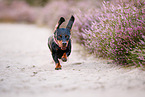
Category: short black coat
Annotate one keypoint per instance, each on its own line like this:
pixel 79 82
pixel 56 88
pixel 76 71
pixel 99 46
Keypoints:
pixel 57 52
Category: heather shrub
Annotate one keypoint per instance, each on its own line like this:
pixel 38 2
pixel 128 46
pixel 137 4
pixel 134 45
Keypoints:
pixel 116 32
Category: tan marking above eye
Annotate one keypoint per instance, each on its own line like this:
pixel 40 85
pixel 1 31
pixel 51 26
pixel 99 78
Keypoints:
pixel 66 36
pixel 60 36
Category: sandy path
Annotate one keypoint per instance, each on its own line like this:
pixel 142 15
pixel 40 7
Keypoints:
pixel 27 69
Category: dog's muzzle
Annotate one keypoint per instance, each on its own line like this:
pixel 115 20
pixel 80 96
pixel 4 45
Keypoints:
pixel 64 45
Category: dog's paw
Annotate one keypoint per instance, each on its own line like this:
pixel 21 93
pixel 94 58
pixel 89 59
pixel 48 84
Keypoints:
pixel 58 68
pixel 64 59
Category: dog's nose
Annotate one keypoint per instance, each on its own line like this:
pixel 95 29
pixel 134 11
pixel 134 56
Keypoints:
pixel 64 43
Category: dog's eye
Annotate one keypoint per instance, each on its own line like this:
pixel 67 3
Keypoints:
pixel 66 36
pixel 60 36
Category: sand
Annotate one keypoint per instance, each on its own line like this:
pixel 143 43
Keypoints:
pixel 27 69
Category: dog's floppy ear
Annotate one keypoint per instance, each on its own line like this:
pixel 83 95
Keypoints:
pixel 70 23
pixel 61 20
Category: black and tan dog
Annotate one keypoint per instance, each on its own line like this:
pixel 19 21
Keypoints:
pixel 60 43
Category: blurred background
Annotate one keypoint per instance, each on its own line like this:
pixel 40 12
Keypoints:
pixel 113 29
pixel 42 12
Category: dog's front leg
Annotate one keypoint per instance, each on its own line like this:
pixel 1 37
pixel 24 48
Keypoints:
pixel 64 57
pixel 57 63
pixel 67 53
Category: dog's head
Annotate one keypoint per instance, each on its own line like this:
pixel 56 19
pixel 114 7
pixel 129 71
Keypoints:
pixel 62 35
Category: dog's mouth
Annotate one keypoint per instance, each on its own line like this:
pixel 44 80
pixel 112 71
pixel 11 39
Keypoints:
pixel 63 48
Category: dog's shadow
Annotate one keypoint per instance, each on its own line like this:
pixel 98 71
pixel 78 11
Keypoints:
pixel 77 63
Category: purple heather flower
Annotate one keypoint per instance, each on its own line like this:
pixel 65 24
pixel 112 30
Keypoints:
pixel 112 32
